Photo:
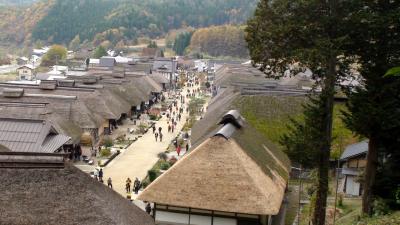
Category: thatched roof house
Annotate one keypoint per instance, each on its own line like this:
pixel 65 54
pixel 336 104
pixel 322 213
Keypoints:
pixel 233 173
pixel 42 189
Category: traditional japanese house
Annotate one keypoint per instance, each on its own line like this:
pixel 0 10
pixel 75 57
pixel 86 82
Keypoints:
pixel 232 176
pixel 353 161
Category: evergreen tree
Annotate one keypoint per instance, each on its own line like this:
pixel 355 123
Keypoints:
pixel 74 44
pixel 152 44
pixel 99 52
pixel 182 41
pixel 374 31
pixel 308 32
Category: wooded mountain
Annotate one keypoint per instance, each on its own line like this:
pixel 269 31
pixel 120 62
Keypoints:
pixel 133 18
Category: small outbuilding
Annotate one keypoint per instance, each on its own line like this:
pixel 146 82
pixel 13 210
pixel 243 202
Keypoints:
pixel 353 161
pixel 26 72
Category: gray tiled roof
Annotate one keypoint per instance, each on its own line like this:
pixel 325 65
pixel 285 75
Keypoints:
pixel 30 136
pixel 355 149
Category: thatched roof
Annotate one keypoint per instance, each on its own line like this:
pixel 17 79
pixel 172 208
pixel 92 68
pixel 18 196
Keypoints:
pixel 240 75
pixel 234 171
pixel 62 196
pixel 159 78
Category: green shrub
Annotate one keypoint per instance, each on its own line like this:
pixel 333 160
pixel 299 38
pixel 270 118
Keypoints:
pixel 105 152
pixel 165 166
pixel 108 141
pixel 145 183
pixel 153 117
pixel 152 175
pixel 340 201
pixel 380 207
pixel 162 156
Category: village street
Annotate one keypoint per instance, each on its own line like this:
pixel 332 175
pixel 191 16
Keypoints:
pixel 140 157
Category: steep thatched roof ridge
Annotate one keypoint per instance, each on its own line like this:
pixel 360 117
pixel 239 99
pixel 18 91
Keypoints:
pixel 262 150
pixel 63 196
pixel 219 175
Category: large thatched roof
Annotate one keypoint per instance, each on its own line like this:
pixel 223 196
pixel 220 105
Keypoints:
pixel 62 196
pixel 234 170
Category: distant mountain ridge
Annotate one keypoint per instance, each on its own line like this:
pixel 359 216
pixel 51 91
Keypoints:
pixel 62 20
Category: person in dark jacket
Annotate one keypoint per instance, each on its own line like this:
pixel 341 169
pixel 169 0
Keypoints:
pixel 148 208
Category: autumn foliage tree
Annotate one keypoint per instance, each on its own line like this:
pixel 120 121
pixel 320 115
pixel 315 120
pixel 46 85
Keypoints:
pixel 56 54
pixel 217 41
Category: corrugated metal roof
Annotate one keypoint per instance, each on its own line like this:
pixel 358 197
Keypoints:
pixel 21 135
pixel 355 149
pixel 54 142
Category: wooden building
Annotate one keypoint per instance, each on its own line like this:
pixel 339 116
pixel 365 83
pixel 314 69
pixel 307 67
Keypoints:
pixel 25 135
pixel 26 72
pixel 353 161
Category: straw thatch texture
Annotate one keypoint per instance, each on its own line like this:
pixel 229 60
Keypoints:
pixel 62 196
pixel 159 78
pixel 231 74
pixel 219 175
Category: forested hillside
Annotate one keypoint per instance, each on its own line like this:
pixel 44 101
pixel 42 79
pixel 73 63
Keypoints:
pixel 135 18
pixel 16 23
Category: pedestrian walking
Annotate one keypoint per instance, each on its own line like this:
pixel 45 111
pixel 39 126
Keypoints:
pixel 148 208
pixel 128 185
pixel 161 135
pixel 178 150
pixel 136 185
pixel 172 128
pixel 154 129
pixel 159 130
pixel 169 128
pixel 156 136
pixel 187 147
pixel 101 175
pixel 109 183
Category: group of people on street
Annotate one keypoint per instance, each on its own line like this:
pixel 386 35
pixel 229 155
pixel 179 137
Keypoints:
pixel 159 134
pixel 136 185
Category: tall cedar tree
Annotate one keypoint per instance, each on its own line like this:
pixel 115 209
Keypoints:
pixel 286 31
pixel 374 108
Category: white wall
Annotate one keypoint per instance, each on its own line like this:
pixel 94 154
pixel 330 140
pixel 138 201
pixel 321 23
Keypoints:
pixel 183 219
pixel 352 187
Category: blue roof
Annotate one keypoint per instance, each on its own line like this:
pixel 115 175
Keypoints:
pixel 355 149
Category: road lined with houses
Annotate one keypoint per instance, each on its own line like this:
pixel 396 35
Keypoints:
pixel 141 156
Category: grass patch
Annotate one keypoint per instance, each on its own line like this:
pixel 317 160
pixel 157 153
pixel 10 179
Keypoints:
pixel 270 115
